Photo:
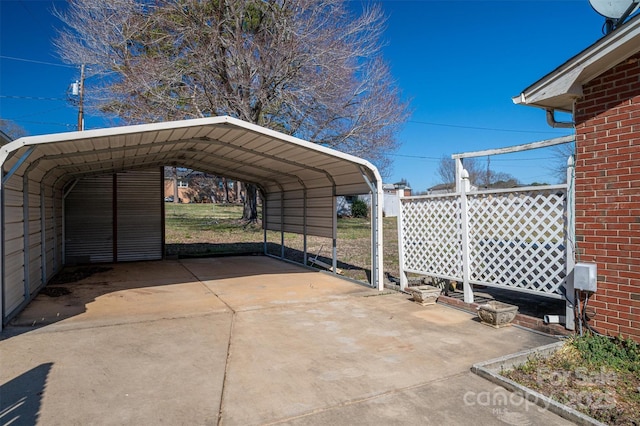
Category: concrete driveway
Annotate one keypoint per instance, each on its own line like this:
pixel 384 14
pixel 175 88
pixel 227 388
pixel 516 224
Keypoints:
pixel 249 340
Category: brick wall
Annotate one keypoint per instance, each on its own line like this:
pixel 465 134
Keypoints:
pixel 608 194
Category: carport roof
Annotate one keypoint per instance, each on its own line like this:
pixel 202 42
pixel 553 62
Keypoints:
pixel 225 146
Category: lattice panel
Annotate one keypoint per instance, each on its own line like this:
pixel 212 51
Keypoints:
pixel 517 239
pixel 431 236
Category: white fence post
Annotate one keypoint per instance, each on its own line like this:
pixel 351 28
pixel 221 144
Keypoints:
pixel 401 237
pixel 462 187
pixel 570 231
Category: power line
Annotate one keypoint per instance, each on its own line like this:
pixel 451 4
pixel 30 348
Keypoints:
pixel 13 58
pixel 416 156
pixel 72 126
pixel 33 98
pixel 492 129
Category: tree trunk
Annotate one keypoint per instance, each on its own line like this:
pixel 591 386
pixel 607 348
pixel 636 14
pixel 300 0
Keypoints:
pixel 250 211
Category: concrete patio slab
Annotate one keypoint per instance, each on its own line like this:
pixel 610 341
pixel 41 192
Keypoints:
pixel 159 372
pixel 251 340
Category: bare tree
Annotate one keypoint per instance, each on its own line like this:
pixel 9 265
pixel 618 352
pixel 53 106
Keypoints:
pixel 11 129
pixel 562 154
pixel 205 186
pixel 480 175
pixel 309 68
pixel 447 169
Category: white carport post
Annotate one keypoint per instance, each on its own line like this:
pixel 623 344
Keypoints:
pixel 304 227
pixel 282 225
pixel 377 195
pixel 334 232
pixel 264 223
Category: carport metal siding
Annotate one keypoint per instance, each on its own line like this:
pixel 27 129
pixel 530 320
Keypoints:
pixel 88 233
pixel 139 215
pixel 122 209
pixel 304 177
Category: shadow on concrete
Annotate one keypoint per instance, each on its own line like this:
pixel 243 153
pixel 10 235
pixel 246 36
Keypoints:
pixel 195 250
pixel 528 304
pixel 21 397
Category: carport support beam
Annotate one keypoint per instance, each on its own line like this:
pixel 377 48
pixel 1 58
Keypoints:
pixel 304 228
pixel 25 235
pixel 377 269
pixel 282 225
pixel 264 223
pixel 334 233
pixel 43 234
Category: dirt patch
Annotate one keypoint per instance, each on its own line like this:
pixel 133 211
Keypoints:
pixel 55 291
pixel 597 376
pixel 71 275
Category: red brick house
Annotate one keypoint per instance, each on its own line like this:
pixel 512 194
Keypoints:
pixel 600 86
pixel 193 186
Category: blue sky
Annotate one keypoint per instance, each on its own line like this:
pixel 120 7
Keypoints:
pixel 460 63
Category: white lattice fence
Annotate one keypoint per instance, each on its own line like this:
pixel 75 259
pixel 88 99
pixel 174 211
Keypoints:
pixel 430 236
pixel 517 239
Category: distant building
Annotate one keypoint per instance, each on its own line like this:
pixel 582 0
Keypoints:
pixel 198 187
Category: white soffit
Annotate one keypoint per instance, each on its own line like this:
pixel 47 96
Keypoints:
pixel 219 145
pixel 558 89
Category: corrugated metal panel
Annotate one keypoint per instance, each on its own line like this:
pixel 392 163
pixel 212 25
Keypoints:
pixel 139 215
pixel 35 269
pixel 57 221
pixel 14 246
pixel 14 284
pixel 15 183
pixel 353 189
pixel 319 212
pixel 89 221
pixel 319 192
pixel 12 197
pixel 13 230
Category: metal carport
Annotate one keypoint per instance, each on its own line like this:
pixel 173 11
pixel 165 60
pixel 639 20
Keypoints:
pixel 299 181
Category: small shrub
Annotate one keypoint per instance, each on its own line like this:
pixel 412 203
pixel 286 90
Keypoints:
pixel 618 353
pixel 359 208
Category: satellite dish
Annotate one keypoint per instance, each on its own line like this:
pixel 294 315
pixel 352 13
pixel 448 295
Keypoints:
pixel 614 9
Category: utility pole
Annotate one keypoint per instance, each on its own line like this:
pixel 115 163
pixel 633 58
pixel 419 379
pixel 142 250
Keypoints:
pixel 81 100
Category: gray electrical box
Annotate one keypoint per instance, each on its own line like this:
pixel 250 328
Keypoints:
pixel 585 277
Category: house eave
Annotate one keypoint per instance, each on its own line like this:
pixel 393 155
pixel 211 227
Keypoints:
pixel 559 89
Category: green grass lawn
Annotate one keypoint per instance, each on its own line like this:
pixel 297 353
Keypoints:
pixel 215 229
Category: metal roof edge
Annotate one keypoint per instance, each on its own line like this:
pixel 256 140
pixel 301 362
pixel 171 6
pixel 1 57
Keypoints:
pixel 600 56
pixel 314 146
pixel 180 124
pixel 118 130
